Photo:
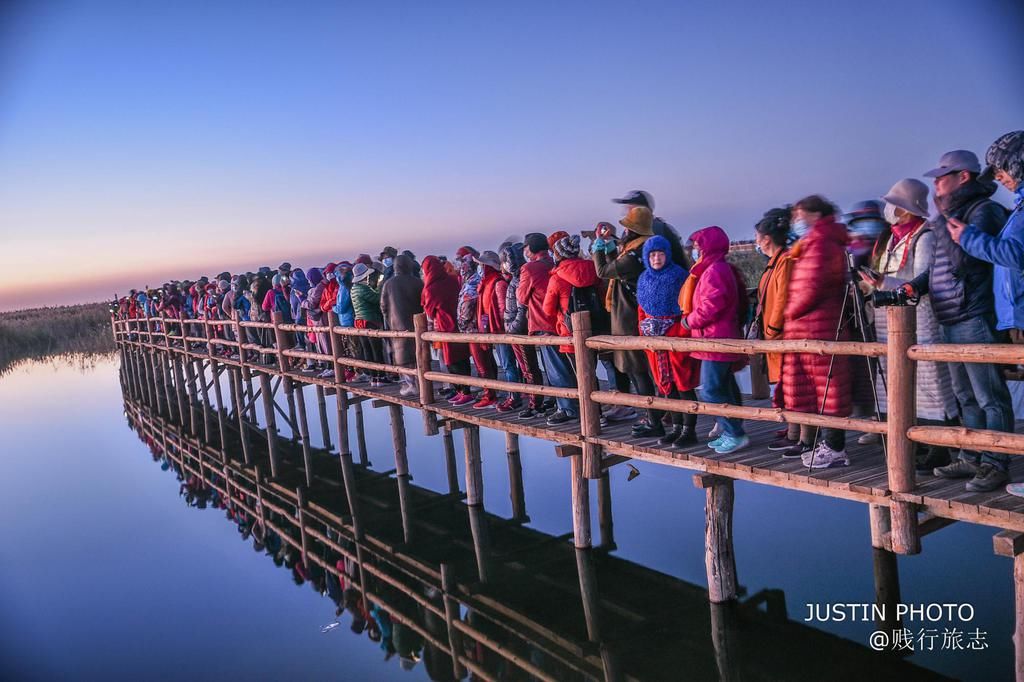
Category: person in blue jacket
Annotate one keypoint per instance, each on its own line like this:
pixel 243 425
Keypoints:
pixel 1005 250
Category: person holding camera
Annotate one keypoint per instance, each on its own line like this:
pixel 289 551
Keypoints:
pixel 960 288
pixel 903 251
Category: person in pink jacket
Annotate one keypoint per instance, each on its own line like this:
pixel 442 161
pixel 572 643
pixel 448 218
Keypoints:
pixel 715 312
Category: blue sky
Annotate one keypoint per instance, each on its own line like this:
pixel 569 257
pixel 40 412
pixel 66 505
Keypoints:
pixel 143 140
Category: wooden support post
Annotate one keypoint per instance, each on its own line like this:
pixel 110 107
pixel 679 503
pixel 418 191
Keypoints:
pixel 243 426
pixel 341 405
pixel 398 442
pixel 517 492
pixel 325 427
pixel 451 614
pixel 184 417
pixel 218 394
pixel 901 416
pixel 268 413
pixel 361 435
pixel 242 334
pixel 282 343
pixel 474 468
pixel 423 365
pixel 307 455
pixel 719 557
pixel 481 542
pixel 156 398
pixel 450 464
pixel 885 566
pixel 249 392
pixel 604 512
pixel 580 487
pixel 190 384
pixel 201 377
pixel 586 380
pixel 1018 602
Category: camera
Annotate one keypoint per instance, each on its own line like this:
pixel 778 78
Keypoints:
pixel 894 297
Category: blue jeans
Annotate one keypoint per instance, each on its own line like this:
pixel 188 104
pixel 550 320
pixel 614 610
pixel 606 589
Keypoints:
pixel 718 385
pixel 560 374
pixel 507 360
pixel 980 389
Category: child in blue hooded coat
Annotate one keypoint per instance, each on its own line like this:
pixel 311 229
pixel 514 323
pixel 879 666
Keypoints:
pixel 676 375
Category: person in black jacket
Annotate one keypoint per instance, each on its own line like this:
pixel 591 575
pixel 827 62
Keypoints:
pixel 961 296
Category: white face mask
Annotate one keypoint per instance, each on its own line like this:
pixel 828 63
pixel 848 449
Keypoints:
pixel 890 214
pixel 695 254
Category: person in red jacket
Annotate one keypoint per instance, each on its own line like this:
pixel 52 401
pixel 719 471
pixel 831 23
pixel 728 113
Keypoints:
pixel 570 272
pixel 714 313
pixel 440 299
pixel 488 321
pixel 533 285
pixel 814 302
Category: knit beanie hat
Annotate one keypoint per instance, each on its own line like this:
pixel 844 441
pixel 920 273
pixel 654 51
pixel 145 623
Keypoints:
pixel 567 247
pixel 1007 153
pixel 555 236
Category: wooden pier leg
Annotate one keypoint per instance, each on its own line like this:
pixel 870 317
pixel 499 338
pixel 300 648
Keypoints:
pixel 423 365
pixel 173 380
pixel 451 614
pixel 193 399
pixel 155 397
pixel 218 395
pixel 586 380
pixel 1018 630
pixel 300 511
pixel 364 460
pixel 201 378
pixel 398 441
pixel 604 512
pixel 249 392
pixel 474 465
pixel 719 557
pixel 325 427
pixel 243 426
pixel 590 598
pixel 231 385
pixel 885 567
pixel 268 413
pixel 901 416
pixel 517 492
pixel 449 461
pixel 341 405
pixel 307 455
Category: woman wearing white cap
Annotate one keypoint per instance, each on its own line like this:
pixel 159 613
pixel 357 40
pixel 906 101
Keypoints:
pixel 903 251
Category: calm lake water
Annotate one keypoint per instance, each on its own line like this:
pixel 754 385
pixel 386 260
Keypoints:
pixel 106 572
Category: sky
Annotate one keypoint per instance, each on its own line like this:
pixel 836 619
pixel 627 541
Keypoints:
pixel 144 141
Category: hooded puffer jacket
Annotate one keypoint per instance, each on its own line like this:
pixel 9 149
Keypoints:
pixel 515 314
pixel 716 296
pixel 400 300
pixel 814 301
pixel 961 285
pixel 533 286
pixel 440 298
pixel 568 273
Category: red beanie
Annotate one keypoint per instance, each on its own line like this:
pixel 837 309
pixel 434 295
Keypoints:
pixel 553 239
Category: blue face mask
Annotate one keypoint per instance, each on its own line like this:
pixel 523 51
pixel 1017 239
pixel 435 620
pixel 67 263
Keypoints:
pixel 388 262
pixel 800 228
pixel 868 228
pixel 695 254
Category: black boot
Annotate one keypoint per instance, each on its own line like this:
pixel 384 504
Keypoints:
pixel 670 435
pixel 687 437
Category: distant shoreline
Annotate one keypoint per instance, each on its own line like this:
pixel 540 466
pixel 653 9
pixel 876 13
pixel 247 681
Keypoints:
pixel 39 333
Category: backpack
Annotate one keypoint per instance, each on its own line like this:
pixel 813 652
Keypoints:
pixel 587 299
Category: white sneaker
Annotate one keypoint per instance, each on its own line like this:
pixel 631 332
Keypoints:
pixel 715 431
pixel 823 457
pixel 408 390
pixel 869 439
pixel 326 374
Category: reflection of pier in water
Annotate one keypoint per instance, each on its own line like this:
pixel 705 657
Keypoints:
pixel 512 602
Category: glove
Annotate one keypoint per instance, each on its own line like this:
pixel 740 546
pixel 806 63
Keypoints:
pixel 599 245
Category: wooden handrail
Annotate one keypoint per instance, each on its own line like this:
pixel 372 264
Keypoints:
pixel 739 346
pixel 497 385
pixel 511 339
pixel 998 353
pixel 972 439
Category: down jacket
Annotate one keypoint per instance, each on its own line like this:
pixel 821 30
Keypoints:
pixel 716 296
pixel 814 300
pixel 400 300
pixel 533 284
pixel 771 301
pixel 568 273
pixel 440 299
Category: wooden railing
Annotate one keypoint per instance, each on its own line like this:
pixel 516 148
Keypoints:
pixel 900 430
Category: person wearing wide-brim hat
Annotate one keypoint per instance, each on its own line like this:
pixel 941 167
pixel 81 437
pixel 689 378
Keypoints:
pixel 621 265
pixel 904 250
pixel 368 315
